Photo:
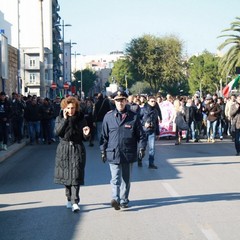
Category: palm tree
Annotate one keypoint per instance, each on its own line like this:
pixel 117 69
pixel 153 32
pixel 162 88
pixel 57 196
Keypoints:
pixel 231 59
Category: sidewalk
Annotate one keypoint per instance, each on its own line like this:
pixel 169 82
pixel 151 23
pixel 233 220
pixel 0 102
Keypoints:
pixel 12 149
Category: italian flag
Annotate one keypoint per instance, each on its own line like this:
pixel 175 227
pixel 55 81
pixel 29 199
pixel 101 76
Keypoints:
pixel 227 89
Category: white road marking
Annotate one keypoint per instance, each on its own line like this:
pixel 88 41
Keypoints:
pixel 206 230
pixel 170 189
pixel 209 233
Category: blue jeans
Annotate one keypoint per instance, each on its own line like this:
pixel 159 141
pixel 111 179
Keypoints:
pixel 192 128
pixel 34 130
pixel 151 147
pixel 4 126
pixel 99 130
pixel 120 181
pixel 237 140
pixel 52 127
pixel 220 128
pixel 211 125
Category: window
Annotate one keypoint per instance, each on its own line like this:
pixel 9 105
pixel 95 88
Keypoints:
pixel 32 62
pixel 32 78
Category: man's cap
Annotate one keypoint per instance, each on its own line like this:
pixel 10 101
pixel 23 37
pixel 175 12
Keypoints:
pixel 119 95
pixel 208 97
pixel 2 93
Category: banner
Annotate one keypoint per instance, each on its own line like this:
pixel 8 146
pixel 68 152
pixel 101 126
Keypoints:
pixel 166 127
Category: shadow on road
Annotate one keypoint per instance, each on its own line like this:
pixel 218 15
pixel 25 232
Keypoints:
pixel 32 169
pixel 143 204
pixel 51 223
pixel 59 223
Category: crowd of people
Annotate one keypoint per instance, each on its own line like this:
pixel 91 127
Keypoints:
pixel 34 117
pixel 121 125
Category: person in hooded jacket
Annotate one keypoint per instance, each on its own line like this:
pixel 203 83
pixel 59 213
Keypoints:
pixel 72 129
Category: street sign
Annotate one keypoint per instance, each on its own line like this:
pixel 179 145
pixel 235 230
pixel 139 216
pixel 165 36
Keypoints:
pixel 53 86
pixel 66 86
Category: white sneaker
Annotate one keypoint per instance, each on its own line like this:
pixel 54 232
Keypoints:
pixel 75 208
pixel 69 204
pixel 4 147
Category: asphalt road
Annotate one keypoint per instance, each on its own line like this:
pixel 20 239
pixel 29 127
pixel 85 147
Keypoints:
pixel 194 195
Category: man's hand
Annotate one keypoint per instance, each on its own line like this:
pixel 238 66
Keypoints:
pixel 141 153
pixel 86 130
pixel 104 157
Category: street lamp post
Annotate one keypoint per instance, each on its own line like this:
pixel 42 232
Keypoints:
pixel 19 87
pixel 75 54
pixel 71 44
pixel 63 25
pixel 81 85
pixel 75 63
pixel 41 56
pixel 200 89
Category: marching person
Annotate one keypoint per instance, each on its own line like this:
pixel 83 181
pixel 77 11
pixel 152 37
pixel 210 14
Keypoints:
pixel 71 129
pixel 122 132
pixel 5 113
pixel 213 111
pixel 150 121
pixel 235 115
pixel 101 107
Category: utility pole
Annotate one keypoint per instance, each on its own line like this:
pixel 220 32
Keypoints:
pixel 81 85
pixel 41 56
pixel 19 87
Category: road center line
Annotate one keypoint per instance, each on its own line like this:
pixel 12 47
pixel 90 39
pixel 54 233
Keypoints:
pixel 170 190
pixel 209 233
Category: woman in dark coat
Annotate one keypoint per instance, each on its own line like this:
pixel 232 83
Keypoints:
pixel 71 128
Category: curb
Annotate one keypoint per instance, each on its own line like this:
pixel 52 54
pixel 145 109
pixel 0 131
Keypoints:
pixel 12 149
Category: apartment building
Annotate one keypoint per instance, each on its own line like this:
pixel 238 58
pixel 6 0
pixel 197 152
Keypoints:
pixel 33 28
pixel 36 30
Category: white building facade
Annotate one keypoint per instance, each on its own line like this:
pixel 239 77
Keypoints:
pixel 33 27
pixel 20 21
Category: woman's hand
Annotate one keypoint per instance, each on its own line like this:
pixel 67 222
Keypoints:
pixel 65 113
pixel 86 130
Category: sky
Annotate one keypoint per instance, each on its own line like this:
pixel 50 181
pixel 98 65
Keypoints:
pixel 103 26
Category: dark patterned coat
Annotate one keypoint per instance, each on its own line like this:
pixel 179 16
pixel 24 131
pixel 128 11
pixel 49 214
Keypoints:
pixel 71 154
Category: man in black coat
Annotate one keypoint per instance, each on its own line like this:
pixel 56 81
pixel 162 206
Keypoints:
pixel 150 121
pixel 5 113
pixel 32 116
pixel 18 107
pixel 101 107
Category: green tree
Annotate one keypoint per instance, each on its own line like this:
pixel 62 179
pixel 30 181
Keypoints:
pixel 140 87
pixel 120 73
pixel 231 59
pixel 88 77
pixel 157 61
pixel 203 73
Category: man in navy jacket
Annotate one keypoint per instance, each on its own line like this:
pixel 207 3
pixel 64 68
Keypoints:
pixel 122 134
